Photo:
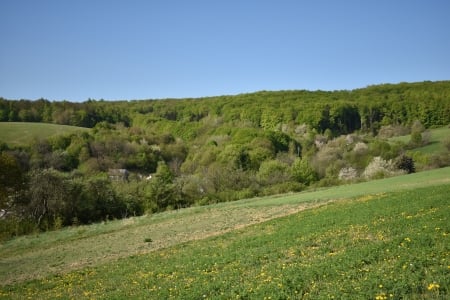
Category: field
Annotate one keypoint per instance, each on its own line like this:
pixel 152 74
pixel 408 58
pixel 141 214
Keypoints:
pixel 436 143
pixel 384 239
pixel 18 133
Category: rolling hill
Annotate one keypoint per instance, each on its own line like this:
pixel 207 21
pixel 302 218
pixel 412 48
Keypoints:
pixel 21 133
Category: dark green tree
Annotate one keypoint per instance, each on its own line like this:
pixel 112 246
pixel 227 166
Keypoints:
pixel 11 181
pixel 405 163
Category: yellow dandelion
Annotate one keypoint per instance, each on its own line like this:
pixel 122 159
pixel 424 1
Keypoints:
pixel 433 286
pixel 380 297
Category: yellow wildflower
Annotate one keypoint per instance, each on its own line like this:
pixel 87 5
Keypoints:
pixel 381 297
pixel 433 286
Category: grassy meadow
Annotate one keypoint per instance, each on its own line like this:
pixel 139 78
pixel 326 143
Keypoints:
pixel 437 137
pixel 21 133
pixel 384 239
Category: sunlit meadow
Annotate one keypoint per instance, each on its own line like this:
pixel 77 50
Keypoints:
pixel 383 246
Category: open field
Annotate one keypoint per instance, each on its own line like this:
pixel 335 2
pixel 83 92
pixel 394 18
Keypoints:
pixel 19 134
pixel 436 143
pixel 382 238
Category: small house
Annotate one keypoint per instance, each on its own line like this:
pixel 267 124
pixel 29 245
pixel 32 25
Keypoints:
pixel 118 174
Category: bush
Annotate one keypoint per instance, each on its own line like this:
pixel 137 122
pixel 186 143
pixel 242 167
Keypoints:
pixel 12 226
pixel 348 173
pixel 273 172
pixel 405 163
pixel 392 130
pixel 303 172
pixel 446 143
pixel 283 188
pixel 416 140
pixel 439 160
pixel 379 168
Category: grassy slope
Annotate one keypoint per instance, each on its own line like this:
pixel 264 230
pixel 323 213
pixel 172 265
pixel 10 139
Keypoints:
pixel 150 264
pixel 436 145
pixel 19 134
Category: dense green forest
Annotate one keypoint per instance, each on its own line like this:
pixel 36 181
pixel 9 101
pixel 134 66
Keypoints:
pixel 144 156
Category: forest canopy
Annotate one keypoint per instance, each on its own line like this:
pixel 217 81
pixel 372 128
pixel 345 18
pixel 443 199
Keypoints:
pixel 340 111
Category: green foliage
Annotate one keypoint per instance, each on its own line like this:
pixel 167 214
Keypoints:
pixel 235 156
pixel 405 163
pixel 416 139
pixel 273 172
pixel 446 143
pixel 279 140
pixel 11 180
pixel 303 172
pixel 271 119
pixel 161 189
pixel 261 150
pixel 218 148
pixel 47 195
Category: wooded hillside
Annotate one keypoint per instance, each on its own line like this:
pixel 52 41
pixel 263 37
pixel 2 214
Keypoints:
pixel 339 111
pixel 180 152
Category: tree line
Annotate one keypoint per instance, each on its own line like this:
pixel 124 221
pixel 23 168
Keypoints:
pixel 187 152
pixel 339 111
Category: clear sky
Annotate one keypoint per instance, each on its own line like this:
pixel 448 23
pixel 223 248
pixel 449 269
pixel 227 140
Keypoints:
pixel 153 49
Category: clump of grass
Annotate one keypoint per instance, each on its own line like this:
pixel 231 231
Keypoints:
pixel 148 240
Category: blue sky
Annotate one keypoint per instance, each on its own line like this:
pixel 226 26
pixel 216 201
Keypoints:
pixel 131 49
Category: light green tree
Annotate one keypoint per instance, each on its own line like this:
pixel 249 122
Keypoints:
pixel 303 172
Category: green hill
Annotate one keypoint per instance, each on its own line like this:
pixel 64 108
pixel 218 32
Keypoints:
pixel 204 151
pixel 436 139
pixel 21 133
pixel 384 239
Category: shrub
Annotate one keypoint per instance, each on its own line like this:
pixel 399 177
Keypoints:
pixel 416 139
pixel 439 160
pixel 302 172
pixel 392 130
pixel 282 188
pixel 446 143
pixel 379 168
pixel 273 172
pixel 405 163
pixel 360 148
pixel 348 173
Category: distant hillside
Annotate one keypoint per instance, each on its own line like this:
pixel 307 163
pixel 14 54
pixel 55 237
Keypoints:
pixel 21 133
pixel 340 112
pixel 207 150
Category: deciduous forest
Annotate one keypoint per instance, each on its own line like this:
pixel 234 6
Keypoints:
pixel 147 156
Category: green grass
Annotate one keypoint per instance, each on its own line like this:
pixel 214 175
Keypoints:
pixel 394 246
pixel 20 134
pixel 436 143
pixel 382 237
